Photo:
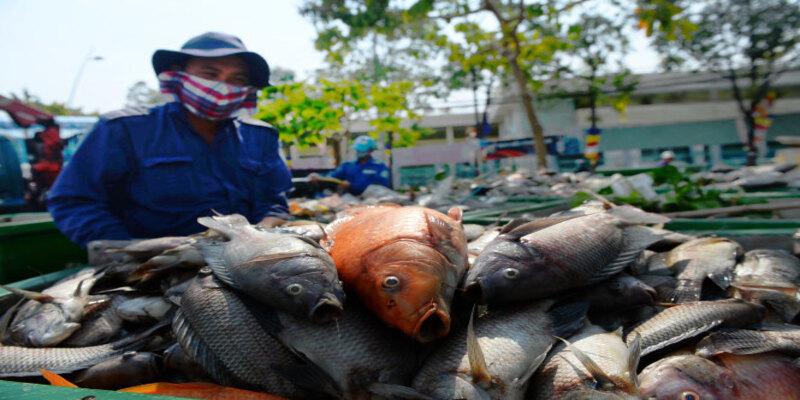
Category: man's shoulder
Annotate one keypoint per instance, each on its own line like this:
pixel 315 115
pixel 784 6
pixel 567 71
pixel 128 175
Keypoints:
pixel 139 111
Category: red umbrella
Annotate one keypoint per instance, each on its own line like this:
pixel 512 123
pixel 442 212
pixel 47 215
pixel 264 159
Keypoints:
pixel 23 115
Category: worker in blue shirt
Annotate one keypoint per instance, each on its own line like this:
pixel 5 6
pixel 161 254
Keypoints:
pixel 363 171
pixel 151 172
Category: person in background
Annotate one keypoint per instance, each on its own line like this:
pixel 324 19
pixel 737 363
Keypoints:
pixel 364 171
pixel 666 158
pixel 152 171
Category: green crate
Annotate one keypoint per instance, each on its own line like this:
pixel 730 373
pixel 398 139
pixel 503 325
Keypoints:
pixel 33 391
pixel 31 245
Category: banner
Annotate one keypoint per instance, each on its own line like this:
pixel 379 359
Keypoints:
pixel 592 151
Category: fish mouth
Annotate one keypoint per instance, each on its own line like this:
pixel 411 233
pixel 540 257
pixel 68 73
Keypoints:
pixel 653 294
pixel 435 323
pixel 327 309
pixel 474 293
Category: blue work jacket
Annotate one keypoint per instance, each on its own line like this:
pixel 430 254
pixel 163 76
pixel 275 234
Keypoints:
pixel 362 175
pixel 144 172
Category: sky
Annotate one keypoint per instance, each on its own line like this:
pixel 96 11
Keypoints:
pixel 48 46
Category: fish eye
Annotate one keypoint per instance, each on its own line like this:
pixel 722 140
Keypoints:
pixel 390 282
pixel 690 396
pixel 511 273
pixel 294 289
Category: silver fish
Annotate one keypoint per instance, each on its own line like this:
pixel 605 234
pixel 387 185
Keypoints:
pixel 223 331
pixel 27 361
pixel 497 353
pixel 745 341
pixel 688 320
pixel 143 250
pixel 771 277
pixel 144 309
pixel 284 271
pixel 713 258
pixel 100 327
pixel 548 256
pixel 595 364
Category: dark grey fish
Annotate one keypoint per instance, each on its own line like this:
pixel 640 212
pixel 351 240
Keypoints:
pixel 143 250
pixel 27 361
pixel 548 256
pixel 693 262
pixel 744 341
pixel 98 255
pixel 223 332
pixel 498 353
pixel 355 351
pixel 687 320
pixel 596 364
pixel 101 327
pixel 619 292
pixel 183 256
pixel 284 271
pixel 179 367
pixel 129 369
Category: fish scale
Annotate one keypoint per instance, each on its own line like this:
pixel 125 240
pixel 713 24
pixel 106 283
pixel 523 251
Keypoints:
pixel 687 320
pixel 224 331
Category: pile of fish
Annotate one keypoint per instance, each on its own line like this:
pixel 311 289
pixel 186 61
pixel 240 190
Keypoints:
pixel 407 302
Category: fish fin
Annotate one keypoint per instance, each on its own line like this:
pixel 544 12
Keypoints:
pixel 392 391
pixel 568 317
pixel 723 278
pixel 511 225
pixel 537 225
pixel 685 291
pixel 634 354
pixel 603 380
pixel 636 239
pixel 6 319
pixel 520 382
pixel 456 213
pixel 736 341
pixel 56 379
pixel 308 377
pixel 31 295
pixel 224 224
pixel 212 252
pixel 477 363
pixel 633 216
pixel 197 349
pixel 686 334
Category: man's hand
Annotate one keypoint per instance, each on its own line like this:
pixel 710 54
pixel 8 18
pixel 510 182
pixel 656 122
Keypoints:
pixel 271 222
pixel 345 185
pixel 313 177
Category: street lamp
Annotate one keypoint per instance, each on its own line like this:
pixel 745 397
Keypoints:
pixel 88 58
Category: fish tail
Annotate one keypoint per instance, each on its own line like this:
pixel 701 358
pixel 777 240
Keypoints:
pixel 631 215
pixel 56 379
pixel 225 224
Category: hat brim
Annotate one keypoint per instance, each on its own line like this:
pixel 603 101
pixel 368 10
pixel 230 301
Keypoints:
pixel 163 60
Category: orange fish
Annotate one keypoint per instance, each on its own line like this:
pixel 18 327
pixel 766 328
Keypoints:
pixel 200 390
pixel 404 263
pixel 56 379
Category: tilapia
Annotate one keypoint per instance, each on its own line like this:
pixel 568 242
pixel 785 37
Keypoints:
pixel 222 330
pixel 285 271
pixel 404 263
pixel 179 367
pixel 497 353
pixel 100 327
pixel 27 361
pixel 713 258
pixel 98 255
pixel 143 250
pixel 745 341
pixel 144 309
pixel 596 364
pixel 129 369
pixel 771 277
pixel 621 291
pixel 549 256
pixel 732 377
pixel 183 256
pixel 355 352
pixel 687 320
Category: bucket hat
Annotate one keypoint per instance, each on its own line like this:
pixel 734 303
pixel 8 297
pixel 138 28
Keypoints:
pixel 214 44
pixel 364 143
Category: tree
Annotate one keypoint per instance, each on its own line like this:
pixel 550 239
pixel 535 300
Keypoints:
pixel 520 41
pixel 141 95
pixel 306 113
pixel 55 108
pixel 748 42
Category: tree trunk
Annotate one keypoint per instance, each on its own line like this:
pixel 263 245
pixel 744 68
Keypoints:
pixel 533 120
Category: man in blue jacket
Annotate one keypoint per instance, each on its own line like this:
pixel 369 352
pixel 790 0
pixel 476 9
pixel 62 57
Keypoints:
pixel 151 172
pixel 364 171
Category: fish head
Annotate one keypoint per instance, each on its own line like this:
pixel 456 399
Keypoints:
pixel 306 285
pixel 505 271
pixel 412 293
pixel 621 291
pixel 686 377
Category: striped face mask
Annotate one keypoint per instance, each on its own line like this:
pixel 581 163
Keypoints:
pixel 206 98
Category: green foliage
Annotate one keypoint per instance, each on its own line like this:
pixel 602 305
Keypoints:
pixel 308 114
pixel 55 108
